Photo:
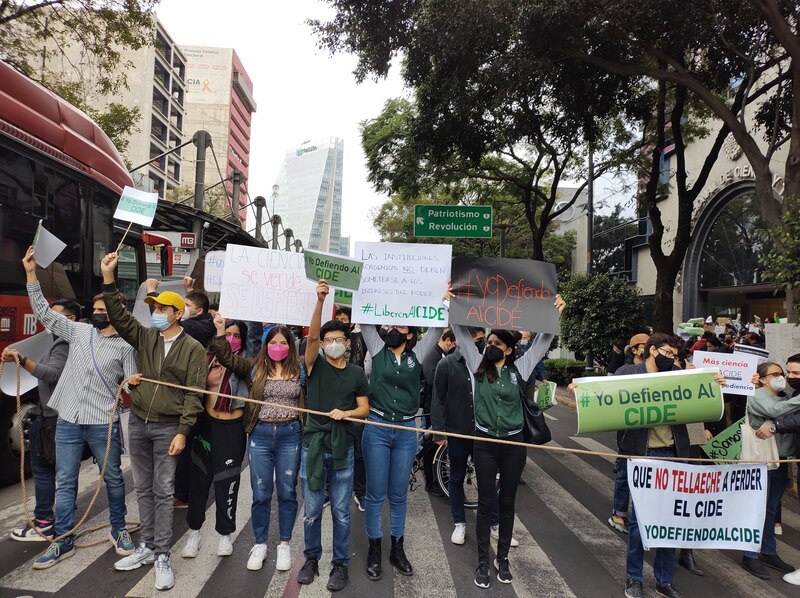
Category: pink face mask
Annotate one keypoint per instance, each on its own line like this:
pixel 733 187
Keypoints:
pixel 277 352
pixel 234 342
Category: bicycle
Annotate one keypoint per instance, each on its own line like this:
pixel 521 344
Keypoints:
pixel 441 471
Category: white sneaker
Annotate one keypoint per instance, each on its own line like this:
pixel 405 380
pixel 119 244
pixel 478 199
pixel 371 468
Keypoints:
pixel 225 547
pixel 793 578
pixel 192 547
pixel 165 579
pixel 496 536
pixel 284 561
pixel 459 534
pixel 257 555
pixel 141 556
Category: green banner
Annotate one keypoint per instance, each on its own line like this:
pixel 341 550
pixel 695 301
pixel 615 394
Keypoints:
pixel 342 297
pixel 338 271
pixel 645 400
pixel 727 444
pixel 546 395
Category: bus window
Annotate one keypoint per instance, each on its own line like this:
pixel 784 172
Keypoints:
pixel 128 273
pixel 102 240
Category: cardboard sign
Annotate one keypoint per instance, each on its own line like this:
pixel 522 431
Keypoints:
pixel 698 506
pixel 727 445
pixel 337 271
pixel 137 206
pixel 46 246
pixel 34 347
pixel 504 293
pixel 212 275
pixel 608 403
pixel 402 283
pixel 738 369
pixel 268 285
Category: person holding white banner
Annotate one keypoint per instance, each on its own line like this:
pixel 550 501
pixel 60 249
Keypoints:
pixel 769 402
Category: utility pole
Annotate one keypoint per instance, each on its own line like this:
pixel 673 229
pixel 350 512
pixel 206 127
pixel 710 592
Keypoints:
pixel 261 203
pixel 276 223
pixel 237 178
pixel 590 213
pixel 202 140
pixel 503 228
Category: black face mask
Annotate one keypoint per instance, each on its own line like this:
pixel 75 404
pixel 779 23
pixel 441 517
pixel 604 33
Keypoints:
pixel 100 321
pixel 394 338
pixel 480 345
pixel 493 354
pixel 794 383
pixel 664 363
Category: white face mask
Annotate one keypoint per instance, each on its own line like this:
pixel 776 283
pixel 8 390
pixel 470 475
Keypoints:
pixel 778 383
pixel 335 350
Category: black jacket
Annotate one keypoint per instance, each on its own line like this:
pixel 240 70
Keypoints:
pixel 789 423
pixel 634 442
pixel 201 328
pixel 428 371
pixel 451 406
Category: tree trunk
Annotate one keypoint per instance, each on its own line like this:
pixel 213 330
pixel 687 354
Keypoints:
pixel 662 304
pixel 791 182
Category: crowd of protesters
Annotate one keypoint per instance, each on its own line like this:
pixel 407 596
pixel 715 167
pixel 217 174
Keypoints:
pixel 468 381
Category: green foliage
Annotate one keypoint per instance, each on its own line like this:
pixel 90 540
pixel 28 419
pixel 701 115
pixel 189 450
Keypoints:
pixel 782 262
pixel 601 309
pixel 216 200
pixel 562 371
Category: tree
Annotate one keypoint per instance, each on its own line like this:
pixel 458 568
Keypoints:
pixel 216 200
pixel 601 310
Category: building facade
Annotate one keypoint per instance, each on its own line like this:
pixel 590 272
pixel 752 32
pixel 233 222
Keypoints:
pixel 219 99
pixel 308 197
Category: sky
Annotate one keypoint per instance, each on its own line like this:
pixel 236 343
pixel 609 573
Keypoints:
pixel 301 91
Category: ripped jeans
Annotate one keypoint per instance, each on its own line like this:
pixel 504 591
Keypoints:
pixel 274 452
pixel 340 487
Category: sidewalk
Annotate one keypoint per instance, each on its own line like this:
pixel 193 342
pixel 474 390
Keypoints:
pixel 564 398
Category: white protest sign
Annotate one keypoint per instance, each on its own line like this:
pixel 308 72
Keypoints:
pixel 762 354
pixel 34 347
pixel 738 369
pixel 46 246
pixel 402 283
pixel 137 206
pixel 267 285
pixel 783 341
pixel 698 506
pixel 212 274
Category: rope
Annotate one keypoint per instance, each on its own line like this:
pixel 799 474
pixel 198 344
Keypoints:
pixel 557 449
pixel 23 482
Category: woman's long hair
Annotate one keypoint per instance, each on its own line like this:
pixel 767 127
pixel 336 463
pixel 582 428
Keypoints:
pixel 489 369
pixel 265 366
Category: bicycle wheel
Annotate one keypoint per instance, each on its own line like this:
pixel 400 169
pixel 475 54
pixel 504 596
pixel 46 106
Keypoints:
pixel 441 464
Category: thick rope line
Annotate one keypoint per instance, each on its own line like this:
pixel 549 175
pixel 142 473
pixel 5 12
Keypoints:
pixel 134 525
pixel 557 449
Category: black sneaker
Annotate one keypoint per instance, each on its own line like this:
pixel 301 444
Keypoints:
pixel 755 567
pixel 482 579
pixel 308 571
pixel 633 589
pixel 776 562
pixel 503 572
pixel 668 590
pixel 338 579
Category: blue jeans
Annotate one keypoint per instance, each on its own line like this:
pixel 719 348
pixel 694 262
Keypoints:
pixel 622 493
pixel 274 450
pixel 388 458
pixel 664 563
pixel 777 480
pixel 339 483
pixel 69 440
pixel 44 475
pixel 458 451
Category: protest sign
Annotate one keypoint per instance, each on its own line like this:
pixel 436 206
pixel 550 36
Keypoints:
pixel 783 341
pixel 337 271
pixel 342 297
pixel 34 347
pixel 402 283
pixel 698 506
pixel 504 293
pixel 46 246
pixel 546 395
pixel 762 354
pixel 212 274
pixel 141 310
pixel 727 445
pixel 267 285
pixel 138 207
pixel 738 369
pixel 607 403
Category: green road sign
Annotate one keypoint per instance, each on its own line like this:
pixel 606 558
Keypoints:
pixel 453 221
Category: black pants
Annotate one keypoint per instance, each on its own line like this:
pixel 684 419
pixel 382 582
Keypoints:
pixel 216 456
pixel 489 458
pixel 359 472
pixel 182 469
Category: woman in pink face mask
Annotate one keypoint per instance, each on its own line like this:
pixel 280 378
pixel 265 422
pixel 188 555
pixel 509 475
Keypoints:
pixel 275 375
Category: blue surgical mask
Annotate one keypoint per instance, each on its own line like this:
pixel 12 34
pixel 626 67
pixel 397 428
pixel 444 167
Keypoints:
pixel 160 321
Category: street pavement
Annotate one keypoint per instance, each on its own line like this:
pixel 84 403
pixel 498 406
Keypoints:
pixel 566 546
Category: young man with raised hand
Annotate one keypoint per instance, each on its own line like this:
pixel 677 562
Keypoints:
pixel 161 416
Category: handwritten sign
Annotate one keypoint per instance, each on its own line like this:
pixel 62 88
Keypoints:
pixel 212 275
pixel 137 206
pixel 607 403
pixel 267 285
pixel 338 271
pixel 738 369
pixel 698 506
pixel 504 293
pixel 727 445
pixel 546 395
pixel 402 283
pixel 46 246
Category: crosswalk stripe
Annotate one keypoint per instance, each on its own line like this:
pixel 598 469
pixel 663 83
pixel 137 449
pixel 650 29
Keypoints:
pixel 547 582
pixel 548 416
pixel 592 445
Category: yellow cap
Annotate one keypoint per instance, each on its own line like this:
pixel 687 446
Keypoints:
pixel 167 298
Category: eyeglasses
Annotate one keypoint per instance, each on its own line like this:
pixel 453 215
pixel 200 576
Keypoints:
pixel 669 354
pixel 339 340
pixel 773 374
